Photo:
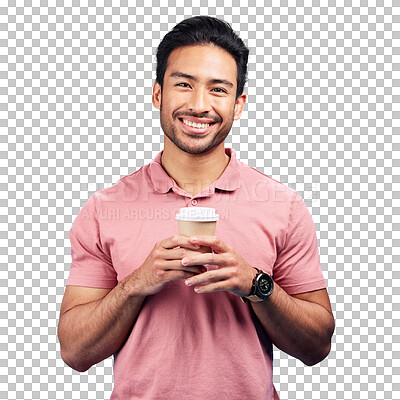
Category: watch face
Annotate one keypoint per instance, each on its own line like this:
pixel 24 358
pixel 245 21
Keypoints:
pixel 264 285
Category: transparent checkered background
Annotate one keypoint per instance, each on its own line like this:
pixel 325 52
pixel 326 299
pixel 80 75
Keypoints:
pixel 322 116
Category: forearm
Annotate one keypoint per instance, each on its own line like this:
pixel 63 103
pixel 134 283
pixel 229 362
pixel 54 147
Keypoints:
pixel 89 333
pixel 300 328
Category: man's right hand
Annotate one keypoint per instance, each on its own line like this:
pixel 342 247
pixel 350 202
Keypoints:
pixel 94 323
pixel 163 265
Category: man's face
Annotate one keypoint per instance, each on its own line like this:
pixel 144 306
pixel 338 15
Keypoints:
pixel 198 101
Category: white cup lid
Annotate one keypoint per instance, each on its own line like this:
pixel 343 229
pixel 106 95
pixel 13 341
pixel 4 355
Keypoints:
pixel 202 214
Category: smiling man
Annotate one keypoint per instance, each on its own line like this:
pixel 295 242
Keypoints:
pixel 182 324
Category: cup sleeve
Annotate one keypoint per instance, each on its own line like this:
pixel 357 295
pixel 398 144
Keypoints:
pixel 297 267
pixel 91 266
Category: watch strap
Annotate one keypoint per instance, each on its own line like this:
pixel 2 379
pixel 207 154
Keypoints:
pixel 254 299
pixel 251 295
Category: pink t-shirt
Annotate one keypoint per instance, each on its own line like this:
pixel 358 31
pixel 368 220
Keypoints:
pixel 185 345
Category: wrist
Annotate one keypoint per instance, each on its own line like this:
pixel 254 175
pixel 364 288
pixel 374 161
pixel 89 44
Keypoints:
pixel 262 287
pixel 133 287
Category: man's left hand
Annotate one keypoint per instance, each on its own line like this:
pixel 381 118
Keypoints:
pixel 234 274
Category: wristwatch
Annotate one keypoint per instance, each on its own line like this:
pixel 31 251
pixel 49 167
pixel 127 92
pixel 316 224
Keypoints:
pixel 262 288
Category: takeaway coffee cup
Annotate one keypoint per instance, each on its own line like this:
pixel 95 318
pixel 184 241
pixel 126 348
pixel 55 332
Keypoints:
pixel 197 221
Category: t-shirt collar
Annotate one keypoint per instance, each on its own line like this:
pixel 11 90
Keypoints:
pixel 229 180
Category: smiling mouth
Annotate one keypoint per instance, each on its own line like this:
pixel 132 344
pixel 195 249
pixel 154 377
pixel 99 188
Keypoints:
pixel 196 127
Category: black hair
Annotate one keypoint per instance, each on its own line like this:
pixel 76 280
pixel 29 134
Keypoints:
pixel 204 30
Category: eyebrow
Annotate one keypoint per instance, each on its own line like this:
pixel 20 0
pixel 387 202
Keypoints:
pixel 193 78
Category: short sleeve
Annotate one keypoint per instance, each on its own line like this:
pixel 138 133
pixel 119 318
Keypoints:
pixel 90 266
pixel 297 268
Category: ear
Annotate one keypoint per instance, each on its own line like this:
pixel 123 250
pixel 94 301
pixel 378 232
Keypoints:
pixel 240 102
pixel 156 97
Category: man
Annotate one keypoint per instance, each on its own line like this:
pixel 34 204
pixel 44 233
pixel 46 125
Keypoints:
pixel 183 324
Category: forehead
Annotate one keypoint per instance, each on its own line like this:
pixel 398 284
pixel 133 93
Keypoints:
pixel 202 61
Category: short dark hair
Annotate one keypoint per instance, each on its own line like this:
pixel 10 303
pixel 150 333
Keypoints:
pixel 204 30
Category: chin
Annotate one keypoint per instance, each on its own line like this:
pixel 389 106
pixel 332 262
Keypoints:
pixel 195 149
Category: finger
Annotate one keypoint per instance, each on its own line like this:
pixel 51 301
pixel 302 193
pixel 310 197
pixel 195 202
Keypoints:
pixel 213 287
pixel 211 241
pixel 175 275
pixel 170 265
pixel 178 253
pixel 208 258
pixel 178 240
pixel 211 276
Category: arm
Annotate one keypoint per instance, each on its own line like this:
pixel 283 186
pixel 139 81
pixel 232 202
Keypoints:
pixel 94 323
pixel 301 325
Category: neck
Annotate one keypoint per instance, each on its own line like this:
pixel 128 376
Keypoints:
pixel 193 172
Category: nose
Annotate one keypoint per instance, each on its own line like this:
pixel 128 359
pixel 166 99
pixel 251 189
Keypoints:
pixel 199 101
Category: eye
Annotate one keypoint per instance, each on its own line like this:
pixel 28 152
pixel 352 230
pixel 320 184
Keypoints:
pixel 182 84
pixel 220 90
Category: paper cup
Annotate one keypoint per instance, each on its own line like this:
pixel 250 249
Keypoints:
pixel 194 221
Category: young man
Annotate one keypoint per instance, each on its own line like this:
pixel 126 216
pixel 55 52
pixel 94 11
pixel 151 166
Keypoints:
pixel 139 291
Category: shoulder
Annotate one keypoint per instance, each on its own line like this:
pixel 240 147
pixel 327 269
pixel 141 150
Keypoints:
pixel 264 186
pixel 126 187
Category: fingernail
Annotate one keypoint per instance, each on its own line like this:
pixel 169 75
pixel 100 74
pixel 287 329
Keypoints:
pixel 188 282
pixel 184 261
pixel 197 290
pixel 194 239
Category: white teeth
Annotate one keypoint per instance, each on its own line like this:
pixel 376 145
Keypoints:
pixel 195 125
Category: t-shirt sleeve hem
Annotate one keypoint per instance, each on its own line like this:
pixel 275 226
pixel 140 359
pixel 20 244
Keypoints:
pixel 93 283
pixel 304 288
